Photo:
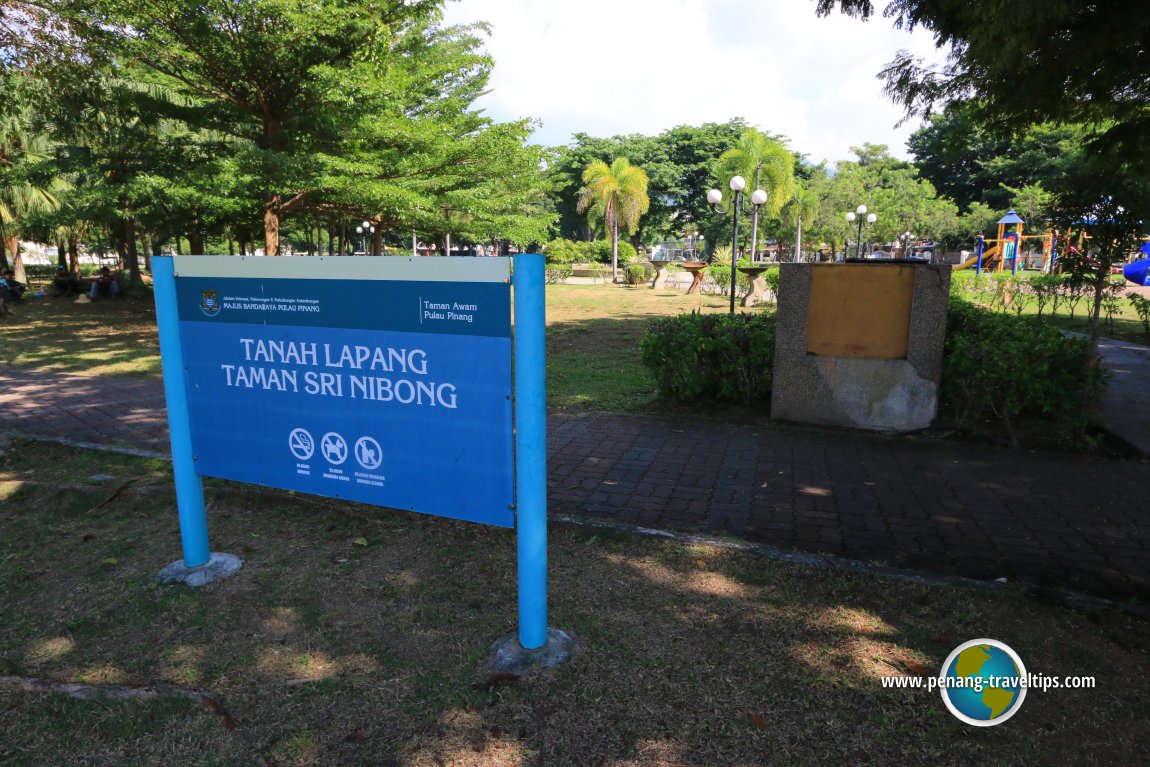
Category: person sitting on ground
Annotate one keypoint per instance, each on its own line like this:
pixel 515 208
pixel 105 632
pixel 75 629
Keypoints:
pixel 104 285
pixel 13 291
pixel 64 282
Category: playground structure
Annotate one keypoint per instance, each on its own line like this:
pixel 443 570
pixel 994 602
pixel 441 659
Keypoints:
pixel 994 254
pixel 1007 248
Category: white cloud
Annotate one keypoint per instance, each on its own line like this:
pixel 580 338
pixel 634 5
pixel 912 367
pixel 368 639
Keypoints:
pixel 608 67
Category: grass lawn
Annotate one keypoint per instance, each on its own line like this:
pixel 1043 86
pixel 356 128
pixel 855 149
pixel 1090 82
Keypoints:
pixel 353 636
pixel 593 339
pixel 108 337
pixel 1124 324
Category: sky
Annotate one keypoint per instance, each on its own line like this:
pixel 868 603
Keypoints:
pixel 610 67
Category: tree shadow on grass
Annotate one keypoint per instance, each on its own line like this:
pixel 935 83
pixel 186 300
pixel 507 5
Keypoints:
pixel 110 336
pixel 330 652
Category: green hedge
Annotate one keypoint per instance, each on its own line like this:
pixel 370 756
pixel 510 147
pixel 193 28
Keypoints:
pixel 1018 374
pixel 568 252
pixel 1002 375
pixel 712 356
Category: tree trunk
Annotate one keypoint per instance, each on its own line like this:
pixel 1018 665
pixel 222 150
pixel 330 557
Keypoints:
pixel 231 245
pixel 614 250
pixel 18 262
pixel 272 226
pixel 11 244
pixel 377 241
pixel 135 280
pixel 799 240
pixel 62 254
pixel 145 248
pixel 1100 284
pixel 74 254
pixel 125 236
pixel 196 239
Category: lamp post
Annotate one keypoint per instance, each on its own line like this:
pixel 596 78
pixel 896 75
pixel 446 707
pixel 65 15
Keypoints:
pixel 758 199
pixel 861 214
pixel 692 234
pixel 907 238
pixel 367 230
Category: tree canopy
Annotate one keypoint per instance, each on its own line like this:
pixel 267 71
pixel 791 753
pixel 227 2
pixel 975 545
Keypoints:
pixel 616 193
pixel 318 110
pixel 1026 62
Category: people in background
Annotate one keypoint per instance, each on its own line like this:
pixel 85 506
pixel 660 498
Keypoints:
pixel 64 283
pixel 105 285
pixel 13 292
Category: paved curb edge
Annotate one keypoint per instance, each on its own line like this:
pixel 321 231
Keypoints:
pixel 1072 599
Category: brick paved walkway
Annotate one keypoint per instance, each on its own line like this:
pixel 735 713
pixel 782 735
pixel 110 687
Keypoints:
pixel 940 506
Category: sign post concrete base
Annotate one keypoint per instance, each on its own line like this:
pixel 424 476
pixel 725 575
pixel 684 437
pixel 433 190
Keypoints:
pixel 507 656
pixel 218 567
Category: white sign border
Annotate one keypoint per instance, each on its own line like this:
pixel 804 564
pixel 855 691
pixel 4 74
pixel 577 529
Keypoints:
pixel 406 268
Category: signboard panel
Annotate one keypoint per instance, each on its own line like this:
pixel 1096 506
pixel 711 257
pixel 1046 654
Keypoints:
pixel 385 381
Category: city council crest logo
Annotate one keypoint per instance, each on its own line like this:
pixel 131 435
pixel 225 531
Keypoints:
pixel 983 682
pixel 210 302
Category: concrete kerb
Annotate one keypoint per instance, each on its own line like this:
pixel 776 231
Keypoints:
pixel 1071 599
pixel 132 451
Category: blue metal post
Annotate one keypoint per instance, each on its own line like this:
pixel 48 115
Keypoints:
pixel 531 449
pixel 978 266
pixel 189 488
pixel 1017 253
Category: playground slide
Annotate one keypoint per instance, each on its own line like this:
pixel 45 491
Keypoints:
pixel 1138 272
pixel 989 259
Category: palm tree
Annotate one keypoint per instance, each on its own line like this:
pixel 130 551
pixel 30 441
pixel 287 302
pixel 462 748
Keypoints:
pixel 767 164
pixel 20 196
pixel 618 194
pixel 802 209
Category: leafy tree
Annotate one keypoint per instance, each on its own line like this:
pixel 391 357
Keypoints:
pixel 1032 202
pixel 965 160
pixel 1028 62
pixel 617 193
pixel 891 189
pixel 679 164
pixel 1112 210
pixel 25 188
pixel 335 108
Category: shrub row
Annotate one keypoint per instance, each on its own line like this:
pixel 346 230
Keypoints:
pixel 568 252
pixel 1001 374
pixel 1020 373
pixel 712 356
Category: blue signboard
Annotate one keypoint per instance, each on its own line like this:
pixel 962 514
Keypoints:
pixel 385 381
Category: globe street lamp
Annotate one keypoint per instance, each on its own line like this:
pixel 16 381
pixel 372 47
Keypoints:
pixel 367 230
pixel 906 238
pixel 758 199
pixel 691 233
pixel 870 219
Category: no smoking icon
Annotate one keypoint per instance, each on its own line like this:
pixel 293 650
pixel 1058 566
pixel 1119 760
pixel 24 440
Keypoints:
pixel 301 444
